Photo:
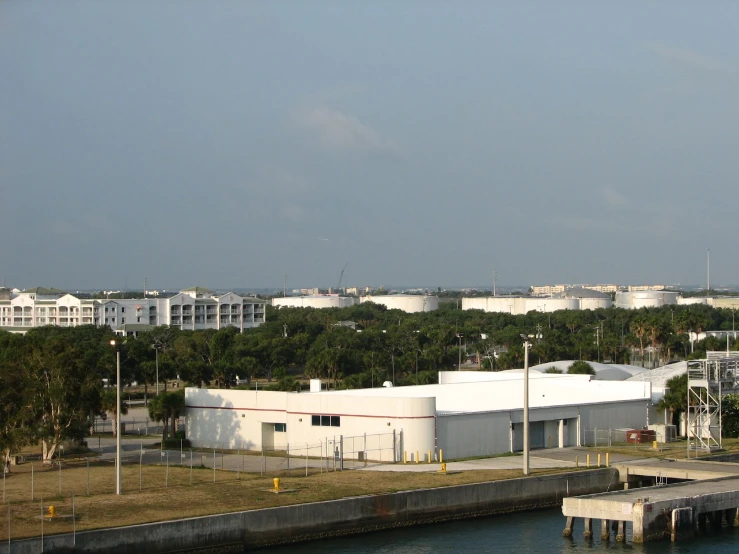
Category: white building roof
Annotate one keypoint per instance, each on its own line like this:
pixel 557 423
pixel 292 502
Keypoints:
pixel 507 394
pixel 603 372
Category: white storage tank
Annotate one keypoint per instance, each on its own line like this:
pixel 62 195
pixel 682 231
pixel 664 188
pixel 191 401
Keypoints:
pixel 645 299
pixel 315 301
pixel 410 303
pixel 595 303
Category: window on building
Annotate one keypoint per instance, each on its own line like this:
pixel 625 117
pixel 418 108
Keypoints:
pixel 326 421
pixel 280 427
pixel 123 310
pixel 123 320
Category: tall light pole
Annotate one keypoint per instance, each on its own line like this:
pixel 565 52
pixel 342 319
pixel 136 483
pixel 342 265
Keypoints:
pixel 156 362
pixel 459 367
pixel 526 445
pixel 118 417
pixel 708 270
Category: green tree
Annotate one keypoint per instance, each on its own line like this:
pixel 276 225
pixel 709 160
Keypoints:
pixel 108 405
pixel 676 397
pixel 580 367
pixel 640 327
pixel 730 415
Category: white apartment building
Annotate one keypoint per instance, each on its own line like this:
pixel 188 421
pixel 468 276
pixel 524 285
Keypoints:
pixel 194 308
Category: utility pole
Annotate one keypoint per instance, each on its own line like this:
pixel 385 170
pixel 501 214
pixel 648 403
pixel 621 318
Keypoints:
pixel 708 270
pixel 526 447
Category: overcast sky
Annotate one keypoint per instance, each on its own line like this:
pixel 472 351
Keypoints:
pixel 228 143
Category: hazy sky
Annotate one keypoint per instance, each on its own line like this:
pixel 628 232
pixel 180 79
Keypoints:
pixel 227 143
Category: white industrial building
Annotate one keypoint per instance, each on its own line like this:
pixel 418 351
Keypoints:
pixel 314 301
pixel 410 303
pixel 190 309
pixel 468 414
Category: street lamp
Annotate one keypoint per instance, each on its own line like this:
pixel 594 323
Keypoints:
pixel 459 336
pixel 526 445
pixel 118 417
pixel 155 346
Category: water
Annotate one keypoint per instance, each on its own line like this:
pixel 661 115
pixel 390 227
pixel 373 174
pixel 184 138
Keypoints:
pixel 529 532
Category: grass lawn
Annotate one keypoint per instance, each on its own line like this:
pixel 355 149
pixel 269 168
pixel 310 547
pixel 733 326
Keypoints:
pixel 169 495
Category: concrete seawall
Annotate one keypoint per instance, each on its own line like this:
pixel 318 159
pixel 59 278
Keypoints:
pixel 242 530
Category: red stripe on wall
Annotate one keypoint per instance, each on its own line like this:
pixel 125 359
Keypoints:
pixel 306 413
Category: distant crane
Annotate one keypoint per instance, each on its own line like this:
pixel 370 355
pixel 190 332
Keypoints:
pixel 341 277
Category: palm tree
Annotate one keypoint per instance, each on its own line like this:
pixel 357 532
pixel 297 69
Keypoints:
pixel 640 328
pixel 655 330
pixel 158 412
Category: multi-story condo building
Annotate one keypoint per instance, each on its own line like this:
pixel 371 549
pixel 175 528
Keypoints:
pixel 639 288
pixel 194 308
pixel 547 290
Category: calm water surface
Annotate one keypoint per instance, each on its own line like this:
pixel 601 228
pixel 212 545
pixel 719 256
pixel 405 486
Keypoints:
pixel 530 532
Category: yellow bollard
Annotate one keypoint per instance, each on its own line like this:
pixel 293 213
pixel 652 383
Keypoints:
pixel 429 456
pixel 441 456
pixel 416 456
pixel 52 511
pixel 598 460
pixel 443 468
pixel 577 461
pixel 405 456
pixel 608 459
pixel 276 482
pixel 587 460
pixel 654 445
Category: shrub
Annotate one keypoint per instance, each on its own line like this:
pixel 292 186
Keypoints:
pixel 581 367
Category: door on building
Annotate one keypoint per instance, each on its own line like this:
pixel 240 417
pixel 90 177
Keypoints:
pixel 536 434
pixel 268 436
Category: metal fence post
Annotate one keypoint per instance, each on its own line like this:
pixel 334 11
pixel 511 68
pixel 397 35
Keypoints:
pixel 238 469
pixel 306 459
pixel 341 452
pixel 394 447
pixel 191 466
pixel 31 482
pixel 166 474
pixel 141 463
pixel 87 461
pixel 288 458
pixel 74 524
pixel 214 465
pixel 60 476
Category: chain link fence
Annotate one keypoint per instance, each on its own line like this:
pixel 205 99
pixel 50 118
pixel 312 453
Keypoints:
pixel 30 486
pixel 623 437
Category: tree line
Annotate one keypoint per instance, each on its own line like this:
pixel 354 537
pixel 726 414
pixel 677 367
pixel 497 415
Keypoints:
pixel 52 379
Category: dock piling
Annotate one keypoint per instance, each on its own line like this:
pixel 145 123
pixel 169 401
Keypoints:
pixel 605 530
pixel 569 524
pixel 620 535
pixel 588 533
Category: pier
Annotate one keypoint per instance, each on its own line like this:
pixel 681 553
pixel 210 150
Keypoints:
pixel 676 511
